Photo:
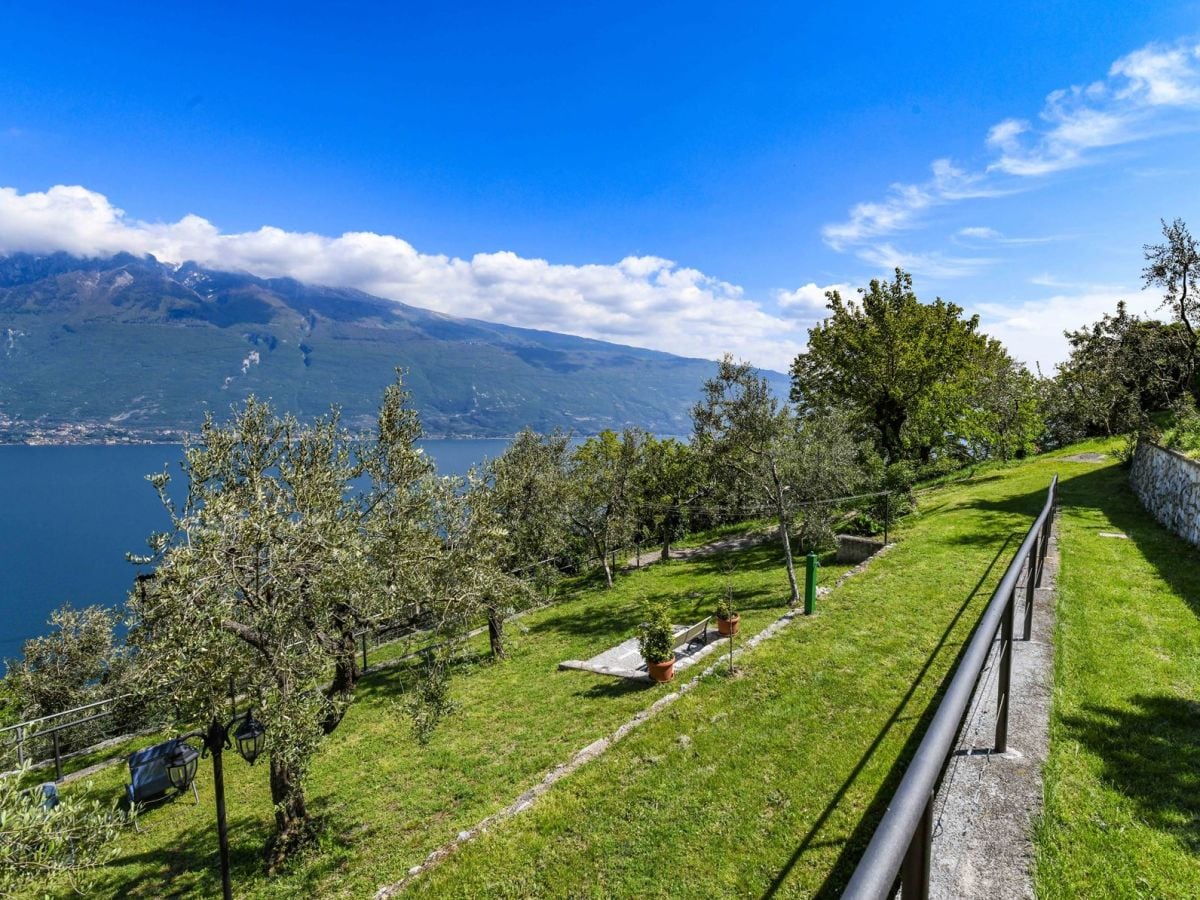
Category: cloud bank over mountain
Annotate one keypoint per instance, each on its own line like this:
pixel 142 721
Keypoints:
pixel 645 301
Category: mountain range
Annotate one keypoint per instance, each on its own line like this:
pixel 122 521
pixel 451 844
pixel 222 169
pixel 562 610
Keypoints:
pixel 128 348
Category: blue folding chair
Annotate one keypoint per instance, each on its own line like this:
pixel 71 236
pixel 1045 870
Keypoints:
pixel 148 779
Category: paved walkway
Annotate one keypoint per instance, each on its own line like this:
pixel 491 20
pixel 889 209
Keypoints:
pixel 987 803
pixel 737 542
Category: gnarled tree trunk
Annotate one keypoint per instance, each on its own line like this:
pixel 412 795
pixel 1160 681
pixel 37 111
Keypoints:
pixel 293 827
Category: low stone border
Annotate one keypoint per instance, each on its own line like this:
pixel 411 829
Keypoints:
pixel 593 750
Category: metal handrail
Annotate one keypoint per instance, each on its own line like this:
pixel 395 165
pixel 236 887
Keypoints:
pixel 902 841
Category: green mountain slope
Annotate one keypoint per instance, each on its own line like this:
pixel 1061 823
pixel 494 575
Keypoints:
pixel 127 348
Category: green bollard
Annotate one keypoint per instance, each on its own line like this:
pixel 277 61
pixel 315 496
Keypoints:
pixel 810 583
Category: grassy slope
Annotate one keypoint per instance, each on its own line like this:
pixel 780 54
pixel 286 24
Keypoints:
pixel 1123 782
pixel 388 801
pixel 756 785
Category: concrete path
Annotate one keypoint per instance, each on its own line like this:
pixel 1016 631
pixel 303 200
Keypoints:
pixel 651 554
pixel 987 803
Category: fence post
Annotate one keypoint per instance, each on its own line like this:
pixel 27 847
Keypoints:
pixel 914 871
pixel 1002 688
pixel 887 514
pixel 1032 573
pixel 364 649
pixel 57 757
pixel 810 583
pixel 20 745
pixel 232 698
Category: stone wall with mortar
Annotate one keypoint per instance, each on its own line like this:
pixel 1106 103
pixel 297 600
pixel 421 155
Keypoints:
pixel 853 550
pixel 1168 484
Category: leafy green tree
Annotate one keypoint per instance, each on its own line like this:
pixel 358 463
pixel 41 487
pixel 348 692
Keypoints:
pixel 668 482
pixel 77 663
pixel 1173 266
pixel 1002 417
pixel 37 844
pixel 274 560
pixel 823 464
pixel 740 428
pixel 523 493
pixel 601 482
pixel 900 366
pixel 1121 368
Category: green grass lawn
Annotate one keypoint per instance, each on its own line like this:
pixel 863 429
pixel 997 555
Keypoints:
pixel 387 801
pixel 770 783
pixel 1122 814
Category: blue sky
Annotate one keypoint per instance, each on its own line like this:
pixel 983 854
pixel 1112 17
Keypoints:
pixel 681 176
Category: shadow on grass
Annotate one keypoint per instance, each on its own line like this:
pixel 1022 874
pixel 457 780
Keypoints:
pixel 1151 754
pixel 843 867
pixel 190 865
pixel 613 688
pixel 1107 490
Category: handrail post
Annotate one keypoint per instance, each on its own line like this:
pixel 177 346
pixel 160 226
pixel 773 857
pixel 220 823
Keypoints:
pixel 916 868
pixel 20 745
pixel 1002 688
pixel 1032 577
pixel 57 757
pixel 364 649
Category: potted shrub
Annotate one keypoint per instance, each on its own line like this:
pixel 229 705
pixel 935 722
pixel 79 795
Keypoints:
pixel 727 617
pixel 655 644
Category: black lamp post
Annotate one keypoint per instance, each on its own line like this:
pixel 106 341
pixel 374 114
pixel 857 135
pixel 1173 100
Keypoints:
pixel 181 769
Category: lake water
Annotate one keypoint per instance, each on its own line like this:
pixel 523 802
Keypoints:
pixel 68 516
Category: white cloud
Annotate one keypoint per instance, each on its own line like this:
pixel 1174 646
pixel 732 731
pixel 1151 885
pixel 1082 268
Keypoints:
pixel 810 297
pixel 1148 93
pixel 645 301
pixel 1033 331
pixel 934 264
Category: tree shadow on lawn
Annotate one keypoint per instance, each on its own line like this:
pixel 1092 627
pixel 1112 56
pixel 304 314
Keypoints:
pixel 1151 754
pixel 1107 491
pixel 190 865
pixel 856 843
pixel 612 688
pixel 621 617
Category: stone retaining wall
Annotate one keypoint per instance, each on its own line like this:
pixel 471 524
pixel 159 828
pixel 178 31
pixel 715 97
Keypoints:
pixel 853 550
pixel 1168 484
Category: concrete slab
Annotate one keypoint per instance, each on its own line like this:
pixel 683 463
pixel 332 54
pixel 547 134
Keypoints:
pixel 986 804
pixel 625 659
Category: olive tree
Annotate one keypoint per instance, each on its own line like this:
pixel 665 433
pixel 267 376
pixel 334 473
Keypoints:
pixel 668 481
pixel 38 844
pixel 78 662
pixel 601 482
pixel 1173 266
pixel 274 560
pixel 742 428
pixel 518 505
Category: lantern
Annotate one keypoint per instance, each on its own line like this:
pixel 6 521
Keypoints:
pixel 249 738
pixel 181 766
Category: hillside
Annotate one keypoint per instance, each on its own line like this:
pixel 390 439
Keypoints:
pixel 127 348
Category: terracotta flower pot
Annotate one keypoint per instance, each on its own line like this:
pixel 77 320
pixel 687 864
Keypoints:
pixel 726 627
pixel 661 671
